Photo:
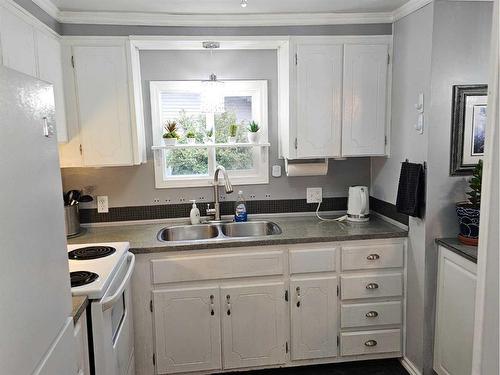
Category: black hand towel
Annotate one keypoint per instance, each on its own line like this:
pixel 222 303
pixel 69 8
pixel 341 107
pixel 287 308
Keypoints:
pixel 411 190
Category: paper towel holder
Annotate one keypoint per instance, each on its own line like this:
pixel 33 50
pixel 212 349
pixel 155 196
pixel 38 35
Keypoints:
pixel 305 162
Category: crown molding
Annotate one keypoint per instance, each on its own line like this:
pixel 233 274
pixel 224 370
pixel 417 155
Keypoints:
pixel 49 7
pixel 221 20
pixel 408 8
pixel 227 20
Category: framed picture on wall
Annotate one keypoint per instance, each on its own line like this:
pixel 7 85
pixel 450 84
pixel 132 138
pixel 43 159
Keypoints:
pixel 468 125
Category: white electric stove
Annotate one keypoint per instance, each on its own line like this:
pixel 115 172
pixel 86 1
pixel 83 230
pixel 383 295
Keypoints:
pixel 102 272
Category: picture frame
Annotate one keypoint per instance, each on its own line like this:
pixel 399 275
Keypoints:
pixel 468 124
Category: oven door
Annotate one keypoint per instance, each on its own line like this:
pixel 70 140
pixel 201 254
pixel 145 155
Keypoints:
pixel 112 328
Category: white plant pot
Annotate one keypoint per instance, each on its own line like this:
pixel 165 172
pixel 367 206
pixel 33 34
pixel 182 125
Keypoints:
pixel 191 141
pixel 170 141
pixel 231 139
pixel 253 137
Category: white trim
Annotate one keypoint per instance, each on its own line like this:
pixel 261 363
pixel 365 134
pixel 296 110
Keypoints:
pixel 408 8
pixel 410 366
pixel 221 20
pixel 48 7
pixel 26 16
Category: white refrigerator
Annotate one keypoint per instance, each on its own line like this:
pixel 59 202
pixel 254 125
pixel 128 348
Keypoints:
pixel 36 328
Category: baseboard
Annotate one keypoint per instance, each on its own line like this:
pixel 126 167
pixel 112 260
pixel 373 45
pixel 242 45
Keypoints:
pixel 410 366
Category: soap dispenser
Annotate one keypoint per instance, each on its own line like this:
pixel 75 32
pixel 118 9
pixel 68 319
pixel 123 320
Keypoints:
pixel 194 215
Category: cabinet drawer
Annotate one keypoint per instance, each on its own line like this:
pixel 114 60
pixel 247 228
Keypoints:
pixel 220 266
pixel 370 314
pixel 312 260
pixel 372 256
pixel 370 342
pixel 372 285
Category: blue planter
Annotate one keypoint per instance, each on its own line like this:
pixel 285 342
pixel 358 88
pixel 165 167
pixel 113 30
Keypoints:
pixel 468 219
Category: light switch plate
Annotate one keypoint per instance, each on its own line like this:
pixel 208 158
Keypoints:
pixel 102 204
pixel 276 171
pixel 314 195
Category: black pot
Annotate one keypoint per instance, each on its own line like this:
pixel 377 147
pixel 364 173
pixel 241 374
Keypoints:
pixel 468 219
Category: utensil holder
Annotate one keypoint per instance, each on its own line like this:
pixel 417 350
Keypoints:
pixel 72 220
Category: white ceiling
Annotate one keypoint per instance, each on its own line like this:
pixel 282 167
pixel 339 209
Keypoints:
pixel 203 7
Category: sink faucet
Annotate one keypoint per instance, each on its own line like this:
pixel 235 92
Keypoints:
pixel 228 187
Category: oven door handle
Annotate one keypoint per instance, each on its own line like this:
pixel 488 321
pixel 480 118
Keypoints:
pixel 108 302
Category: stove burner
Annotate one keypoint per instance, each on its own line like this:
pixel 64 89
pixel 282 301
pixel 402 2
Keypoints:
pixel 80 278
pixel 91 252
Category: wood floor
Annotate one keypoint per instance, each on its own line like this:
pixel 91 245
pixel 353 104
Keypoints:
pixel 379 367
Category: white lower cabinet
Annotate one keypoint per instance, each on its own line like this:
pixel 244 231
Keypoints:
pixel 247 308
pixel 187 327
pixel 455 302
pixel 253 325
pixel 313 308
pixel 82 346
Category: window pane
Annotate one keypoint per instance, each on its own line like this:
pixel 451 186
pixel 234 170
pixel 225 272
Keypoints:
pixel 238 158
pixel 241 106
pixel 186 162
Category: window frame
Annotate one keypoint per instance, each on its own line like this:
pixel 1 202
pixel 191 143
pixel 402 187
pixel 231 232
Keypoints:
pixel 257 89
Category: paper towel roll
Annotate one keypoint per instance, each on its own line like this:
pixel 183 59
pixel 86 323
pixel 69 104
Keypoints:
pixel 306 167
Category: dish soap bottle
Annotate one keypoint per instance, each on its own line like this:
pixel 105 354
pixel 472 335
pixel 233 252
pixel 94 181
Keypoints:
pixel 240 208
pixel 194 215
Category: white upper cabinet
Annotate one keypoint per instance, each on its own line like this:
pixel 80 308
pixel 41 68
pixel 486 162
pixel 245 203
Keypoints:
pixel 50 70
pixel 33 49
pixel 365 100
pixel 18 43
pixel 319 93
pixel 99 105
pixel 333 96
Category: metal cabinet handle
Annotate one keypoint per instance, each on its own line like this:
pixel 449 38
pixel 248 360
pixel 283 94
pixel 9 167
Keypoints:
pixel 372 286
pixel 297 290
pixel 373 257
pixel 371 314
pixel 212 310
pixel 371 343
pixel 48 130
pixel 228 303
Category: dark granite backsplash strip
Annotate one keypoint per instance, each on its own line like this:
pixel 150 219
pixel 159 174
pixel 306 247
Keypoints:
pixel 389 210
pixel 172 211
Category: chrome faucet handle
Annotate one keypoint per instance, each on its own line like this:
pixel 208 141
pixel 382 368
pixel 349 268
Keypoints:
pixel 210 211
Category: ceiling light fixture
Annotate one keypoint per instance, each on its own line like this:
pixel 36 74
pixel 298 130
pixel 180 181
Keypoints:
pixel 244 3
pixel 212 98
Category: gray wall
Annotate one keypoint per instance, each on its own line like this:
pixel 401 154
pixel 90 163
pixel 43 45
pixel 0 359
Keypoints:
pixel 131 186
pixel 411 76
pixel 443 44
pixel 39 13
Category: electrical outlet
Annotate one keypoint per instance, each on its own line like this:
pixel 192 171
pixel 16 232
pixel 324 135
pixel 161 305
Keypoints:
pixel 102 204
pixel 314 195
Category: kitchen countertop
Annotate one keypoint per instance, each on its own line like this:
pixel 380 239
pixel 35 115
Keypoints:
pixel 79 305
pixel 453 244
pixel 295 230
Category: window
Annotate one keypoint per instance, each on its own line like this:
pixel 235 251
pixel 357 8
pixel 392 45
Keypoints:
pixel 193 164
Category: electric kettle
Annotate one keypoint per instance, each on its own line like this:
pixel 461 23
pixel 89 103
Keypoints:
pixel 358 206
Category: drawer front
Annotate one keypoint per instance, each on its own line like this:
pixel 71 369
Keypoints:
pixel 370 342
pixel 370 314
pixel 220 266
pixel 312 260
pixel 371 285
pixel 372 256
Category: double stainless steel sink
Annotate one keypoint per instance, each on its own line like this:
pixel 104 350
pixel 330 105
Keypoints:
pixel 227 230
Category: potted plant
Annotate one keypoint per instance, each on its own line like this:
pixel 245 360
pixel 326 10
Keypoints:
pixel 191 137
pixel 170 136
pixel 468 211
pixel 209 136
pixel 233 130
pixel 253 132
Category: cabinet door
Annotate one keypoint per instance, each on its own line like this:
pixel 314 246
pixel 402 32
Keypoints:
pixel 319 93
pixel 253 325
pixel 454 314
pixel 187 330
pixel 18 43
pixel 103 105
pixel 365 100
pixel 50 70
pixel 313 306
